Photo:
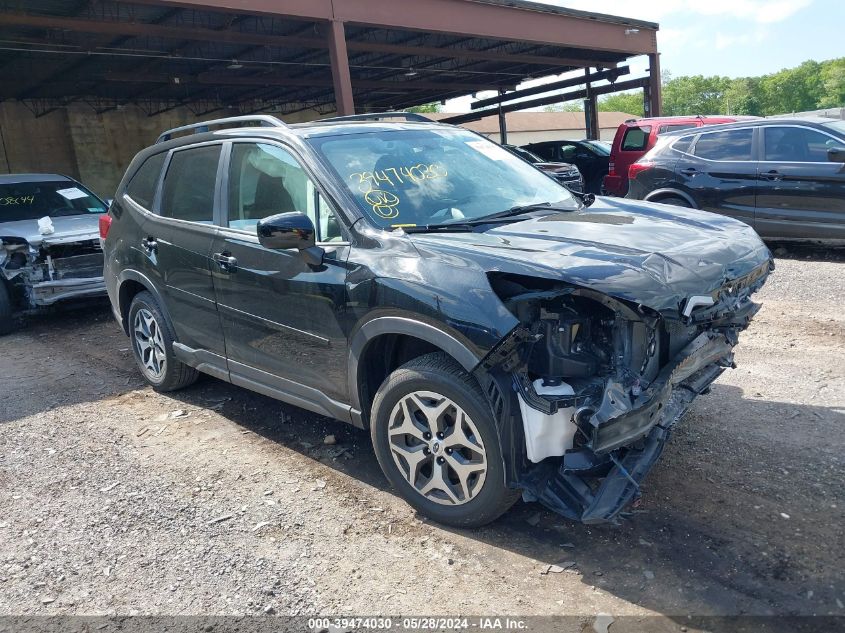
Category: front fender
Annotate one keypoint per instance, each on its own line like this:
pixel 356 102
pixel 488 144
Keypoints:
pixel 409 326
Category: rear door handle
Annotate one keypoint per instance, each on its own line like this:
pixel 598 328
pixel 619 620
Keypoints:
pixel 689 171
pixel 149 244
pixel 225 261
pixel 773 174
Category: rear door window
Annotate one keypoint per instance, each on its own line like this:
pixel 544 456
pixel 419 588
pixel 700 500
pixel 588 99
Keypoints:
pixel 729 145
pixel 188 192
pixel 143 185
pixel 796 145
pixel 636 139
pixel 672 127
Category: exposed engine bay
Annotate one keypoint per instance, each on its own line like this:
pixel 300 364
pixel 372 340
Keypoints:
pixel 52 270
pixel 599 383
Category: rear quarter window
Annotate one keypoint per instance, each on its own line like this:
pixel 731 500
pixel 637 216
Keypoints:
pixel 142 187
pixel 683 144
pixel 635 139
pixel 734 145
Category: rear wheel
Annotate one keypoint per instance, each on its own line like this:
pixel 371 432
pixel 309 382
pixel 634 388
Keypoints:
pixel 436 441
pixel 152 344
pixel 675 201
pixel 6 321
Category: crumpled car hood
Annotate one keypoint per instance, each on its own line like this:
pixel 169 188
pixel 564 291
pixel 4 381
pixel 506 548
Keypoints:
pixel 71 228
pixel 653 254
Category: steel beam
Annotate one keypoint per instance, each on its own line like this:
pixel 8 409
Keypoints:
pixel 610 75
pixel 556 26
pixel 548 100
pixel 142 29
pixel 341 79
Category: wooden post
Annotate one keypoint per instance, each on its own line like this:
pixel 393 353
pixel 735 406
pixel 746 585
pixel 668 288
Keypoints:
pixel 654 101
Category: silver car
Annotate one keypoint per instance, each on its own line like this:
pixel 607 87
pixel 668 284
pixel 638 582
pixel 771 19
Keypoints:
pixel 49 243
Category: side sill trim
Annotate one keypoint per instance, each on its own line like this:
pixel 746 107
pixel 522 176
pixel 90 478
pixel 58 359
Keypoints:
pixel 267 384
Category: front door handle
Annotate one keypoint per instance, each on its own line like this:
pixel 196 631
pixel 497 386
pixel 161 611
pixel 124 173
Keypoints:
pixel 149 244
pixel 225 261
pixel 773 174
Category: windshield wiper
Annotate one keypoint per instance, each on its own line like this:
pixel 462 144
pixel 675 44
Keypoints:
pixel 509 213
pixel 470 224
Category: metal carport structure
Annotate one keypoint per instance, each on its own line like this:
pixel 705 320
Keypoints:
pixel 288 56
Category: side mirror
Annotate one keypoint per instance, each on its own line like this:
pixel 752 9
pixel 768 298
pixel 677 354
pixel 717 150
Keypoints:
pixel 286 230
pixel 836 154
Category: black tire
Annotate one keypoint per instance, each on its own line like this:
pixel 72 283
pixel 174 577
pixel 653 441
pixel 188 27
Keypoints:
pixel 6 320
pixel 675 201
pixel 175 374
pixel 440 374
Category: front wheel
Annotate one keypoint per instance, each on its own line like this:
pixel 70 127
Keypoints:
pixel 436 441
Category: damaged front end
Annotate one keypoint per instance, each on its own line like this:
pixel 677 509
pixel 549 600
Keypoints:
pixel 52 269
pixel 599 382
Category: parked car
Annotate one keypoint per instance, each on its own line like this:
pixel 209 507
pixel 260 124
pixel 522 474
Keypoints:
pixel 49 243
pixel 591 158
pixel 784 177
pixel 565 173
pixel 494 334
pixel 636 136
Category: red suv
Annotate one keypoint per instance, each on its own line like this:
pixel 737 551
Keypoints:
pixel 636 136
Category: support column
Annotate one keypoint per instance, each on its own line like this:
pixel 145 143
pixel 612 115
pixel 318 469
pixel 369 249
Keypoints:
pixel 503 124
pixel 591 116
pixel 340 69
pixel 653 100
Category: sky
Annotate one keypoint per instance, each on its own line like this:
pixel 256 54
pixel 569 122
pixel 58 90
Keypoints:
pixel 734 38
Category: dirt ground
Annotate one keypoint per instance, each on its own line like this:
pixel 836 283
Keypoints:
pixel 214 500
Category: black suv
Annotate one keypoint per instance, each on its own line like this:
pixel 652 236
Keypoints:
pixel 592 158
pixel 495 335
pixel 784 177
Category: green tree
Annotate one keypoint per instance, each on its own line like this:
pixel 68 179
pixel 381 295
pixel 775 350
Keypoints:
pixel 425 107
pixel 792 89
pixel 569 106
pixel 833 84
pixel 628 102
pixel 742 96
pixel 695 95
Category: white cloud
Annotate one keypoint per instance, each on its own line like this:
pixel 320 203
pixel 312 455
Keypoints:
pixel 724 40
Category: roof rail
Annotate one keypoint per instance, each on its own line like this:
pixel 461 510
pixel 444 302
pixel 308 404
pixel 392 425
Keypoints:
pixel 382 116
pixel 263 120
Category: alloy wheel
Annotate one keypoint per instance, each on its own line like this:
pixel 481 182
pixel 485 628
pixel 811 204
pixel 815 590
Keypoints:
pixel 149 344
pixel 437 448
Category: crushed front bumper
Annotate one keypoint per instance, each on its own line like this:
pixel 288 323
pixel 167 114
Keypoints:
pixel 594 483
pixel 47 293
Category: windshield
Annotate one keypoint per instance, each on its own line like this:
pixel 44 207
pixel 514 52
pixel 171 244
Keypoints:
pixel 601 147
pixel 429 176
pixel 839 126
pixel 524 153
pixel 34 200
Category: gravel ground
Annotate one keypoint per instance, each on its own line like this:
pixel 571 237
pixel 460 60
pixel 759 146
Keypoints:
pixel 117 500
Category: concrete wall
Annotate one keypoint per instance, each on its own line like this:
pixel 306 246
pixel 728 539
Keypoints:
pixel 94 148
pixel 523 138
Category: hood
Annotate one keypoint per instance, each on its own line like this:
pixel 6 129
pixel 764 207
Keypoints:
pixel 71 228
pixel 653 254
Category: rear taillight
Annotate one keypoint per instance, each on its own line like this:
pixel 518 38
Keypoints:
pixel 105 225
pixel 611 168
pixel 637 168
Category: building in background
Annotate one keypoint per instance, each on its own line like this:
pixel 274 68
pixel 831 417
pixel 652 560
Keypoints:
pixel 532 127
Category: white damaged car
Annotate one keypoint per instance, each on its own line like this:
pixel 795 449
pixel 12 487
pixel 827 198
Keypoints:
pixel 49 243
